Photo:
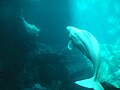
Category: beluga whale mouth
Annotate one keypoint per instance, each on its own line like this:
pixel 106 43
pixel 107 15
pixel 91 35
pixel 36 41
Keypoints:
pixel 89 46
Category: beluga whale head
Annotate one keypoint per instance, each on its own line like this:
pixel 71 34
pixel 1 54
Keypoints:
pixel 89 46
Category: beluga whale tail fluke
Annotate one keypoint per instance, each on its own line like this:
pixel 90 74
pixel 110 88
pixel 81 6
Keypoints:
pixel 89 46
pixel 90 83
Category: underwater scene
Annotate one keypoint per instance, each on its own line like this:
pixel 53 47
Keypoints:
pixel 59 44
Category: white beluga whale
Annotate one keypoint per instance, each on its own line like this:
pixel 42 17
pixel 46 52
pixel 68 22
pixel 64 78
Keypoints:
pixel 89 46
pixel 30 28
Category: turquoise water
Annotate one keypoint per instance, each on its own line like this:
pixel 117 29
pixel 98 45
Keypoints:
pixel 34 39
pixel 101 17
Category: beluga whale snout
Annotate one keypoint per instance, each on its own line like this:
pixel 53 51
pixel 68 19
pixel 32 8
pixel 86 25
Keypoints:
pixel 89 46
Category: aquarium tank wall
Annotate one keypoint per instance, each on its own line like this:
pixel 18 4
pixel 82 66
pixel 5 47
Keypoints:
pixel 59 44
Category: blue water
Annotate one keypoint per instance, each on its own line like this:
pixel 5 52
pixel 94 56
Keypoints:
pixel 19 49
pixel 91 15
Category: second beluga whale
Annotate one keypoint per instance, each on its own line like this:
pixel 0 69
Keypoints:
pixel 89 46
pixel 30 28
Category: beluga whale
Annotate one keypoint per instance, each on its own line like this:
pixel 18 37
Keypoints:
pixel 30 28
pixel 89 46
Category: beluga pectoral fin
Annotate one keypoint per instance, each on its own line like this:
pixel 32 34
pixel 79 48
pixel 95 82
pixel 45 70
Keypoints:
pixel 70 45
pixel 89 46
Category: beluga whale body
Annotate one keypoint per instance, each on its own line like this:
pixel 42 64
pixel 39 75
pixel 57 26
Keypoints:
pixel 30 28
pixel 89 46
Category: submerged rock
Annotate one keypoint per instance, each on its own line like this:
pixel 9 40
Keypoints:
pixel 110 65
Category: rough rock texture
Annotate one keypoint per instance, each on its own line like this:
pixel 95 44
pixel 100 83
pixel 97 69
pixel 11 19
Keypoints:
pixel 26 64
pixel 110 67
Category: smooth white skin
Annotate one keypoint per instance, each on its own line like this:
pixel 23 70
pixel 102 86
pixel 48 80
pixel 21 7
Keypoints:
pixel 86 43
pixel 30 28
